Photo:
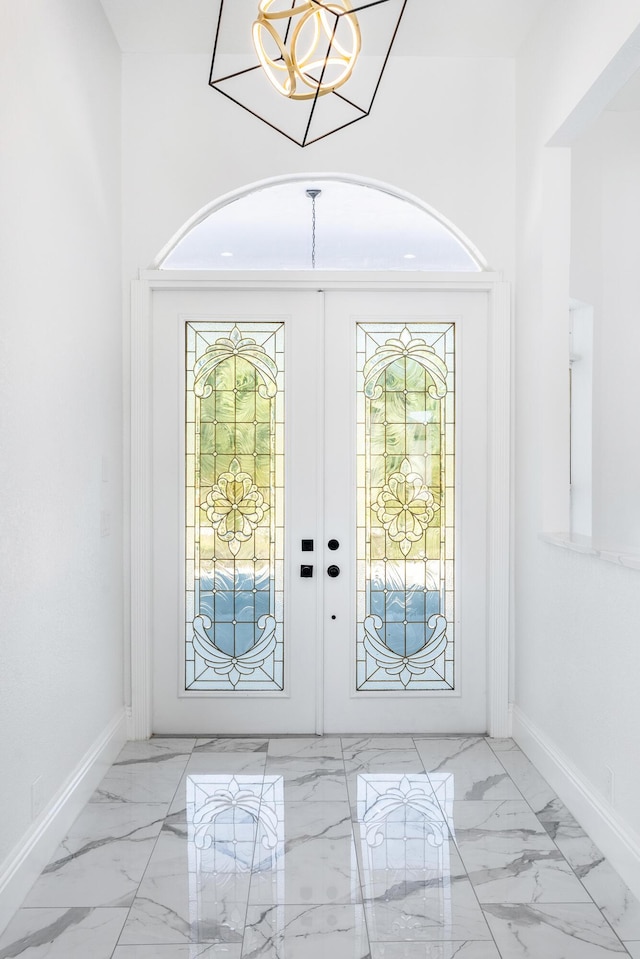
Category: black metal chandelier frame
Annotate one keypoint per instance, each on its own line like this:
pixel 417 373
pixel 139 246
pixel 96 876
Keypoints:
pixel 337 10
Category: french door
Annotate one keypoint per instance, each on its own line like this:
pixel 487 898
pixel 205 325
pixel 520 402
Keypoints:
pixel 319 478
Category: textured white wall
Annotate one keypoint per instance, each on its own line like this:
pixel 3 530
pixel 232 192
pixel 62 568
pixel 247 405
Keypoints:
pixel 60 395
pixel 576 617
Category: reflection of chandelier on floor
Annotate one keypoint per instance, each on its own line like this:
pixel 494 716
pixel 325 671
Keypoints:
pixel 324 57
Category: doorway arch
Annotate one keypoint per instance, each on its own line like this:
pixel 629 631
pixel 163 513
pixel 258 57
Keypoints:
pixel 363 224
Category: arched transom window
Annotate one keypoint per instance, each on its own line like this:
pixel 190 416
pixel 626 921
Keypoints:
pixel 358 226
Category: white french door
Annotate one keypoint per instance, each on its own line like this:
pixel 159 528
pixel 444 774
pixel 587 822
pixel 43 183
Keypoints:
pixel 343 431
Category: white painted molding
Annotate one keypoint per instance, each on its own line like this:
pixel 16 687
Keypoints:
pixel 619 556
pixel 31 854
pixel 499 472
pixel 499 527
pixel 141 558
pixel 610 832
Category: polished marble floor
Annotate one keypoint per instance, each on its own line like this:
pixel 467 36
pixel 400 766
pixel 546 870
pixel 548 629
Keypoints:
pixel 344 848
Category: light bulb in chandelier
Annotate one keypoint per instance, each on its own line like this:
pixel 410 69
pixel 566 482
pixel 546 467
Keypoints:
pixel 309 48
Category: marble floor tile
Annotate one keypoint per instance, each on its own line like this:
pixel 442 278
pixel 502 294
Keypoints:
pixel 500 745
pixel 303 847
pixel 352 745
pixel 509 856
pixel 606 888
pixel 401 852
pixel 552 931
pixel 219 772
pixel 244 764
pixel 445 911
pixel 217 950
pixel 376 797
pixel 380 759
pixel 62 933
pixel 472 768
pixel 558 821
pixel 535 789
pixel 101 861
pixel 618 904
pixel 309 820
pixel 230 745
pixel 309 857
pixel 196 886
pixel 306 932
pixel 156 749
pixel 309 780
pixel 306 747
pixel 146 772
pixel 434 950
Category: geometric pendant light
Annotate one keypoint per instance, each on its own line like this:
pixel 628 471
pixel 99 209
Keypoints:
pixel 307 68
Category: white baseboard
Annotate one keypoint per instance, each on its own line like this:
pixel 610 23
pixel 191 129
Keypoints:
pixel 613 836
pixel 26 861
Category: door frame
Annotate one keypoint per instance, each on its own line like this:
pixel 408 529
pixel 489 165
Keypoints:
pixel 499 455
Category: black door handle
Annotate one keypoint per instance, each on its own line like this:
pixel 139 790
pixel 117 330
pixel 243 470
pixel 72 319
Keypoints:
pixel 333 571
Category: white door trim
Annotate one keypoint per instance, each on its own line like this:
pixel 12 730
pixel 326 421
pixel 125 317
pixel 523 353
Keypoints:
pixel 499 458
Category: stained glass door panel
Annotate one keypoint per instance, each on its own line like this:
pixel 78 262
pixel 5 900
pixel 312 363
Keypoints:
pixel 235 405
pixel 406 400
pixel 406 494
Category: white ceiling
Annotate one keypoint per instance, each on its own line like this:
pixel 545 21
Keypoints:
pixel 456 28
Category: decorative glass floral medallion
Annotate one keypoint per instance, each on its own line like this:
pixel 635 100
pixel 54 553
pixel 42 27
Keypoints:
pixel 406 488
pixel 234 506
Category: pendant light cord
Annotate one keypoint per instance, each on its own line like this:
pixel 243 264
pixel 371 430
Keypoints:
pixel 313 194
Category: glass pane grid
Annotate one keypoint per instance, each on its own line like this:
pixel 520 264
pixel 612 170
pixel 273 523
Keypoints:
pixel 234 506
pixel 406 440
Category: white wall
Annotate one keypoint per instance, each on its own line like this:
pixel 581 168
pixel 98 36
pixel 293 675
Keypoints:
pixel 605 255
pixel 60 396
pixel 576 617
pixel 441 129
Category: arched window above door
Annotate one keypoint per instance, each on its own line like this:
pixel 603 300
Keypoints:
pixel 360 225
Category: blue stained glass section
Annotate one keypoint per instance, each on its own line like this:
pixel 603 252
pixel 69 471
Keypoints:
pixel 415 606
pixel 377 604
pixel 245 637
pixel 225 607
pixel 396 605
pixel 416 635
pixel 394 637
pixel 206 605
pixel 262 603
pixel 224 633
pixel 433 603
pixel 244 607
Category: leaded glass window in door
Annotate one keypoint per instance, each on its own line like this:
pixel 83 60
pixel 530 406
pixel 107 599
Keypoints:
pixel 234 506
pixel 405 507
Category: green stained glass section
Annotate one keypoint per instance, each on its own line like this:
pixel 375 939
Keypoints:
pixel 406 502
pixel 234 513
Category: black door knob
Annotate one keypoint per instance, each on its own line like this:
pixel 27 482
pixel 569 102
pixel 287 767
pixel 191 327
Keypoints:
pixel 333 544
pixel 333 571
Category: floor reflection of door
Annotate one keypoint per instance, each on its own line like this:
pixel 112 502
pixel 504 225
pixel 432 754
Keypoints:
pixel 246 842
pixel 340 431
